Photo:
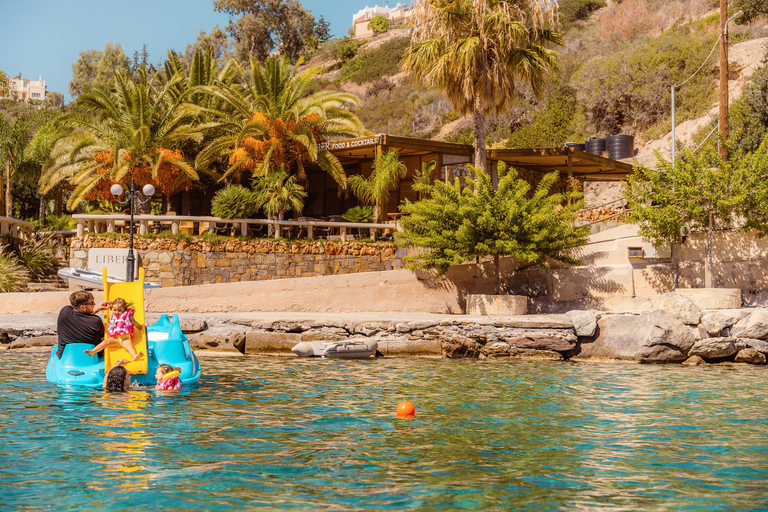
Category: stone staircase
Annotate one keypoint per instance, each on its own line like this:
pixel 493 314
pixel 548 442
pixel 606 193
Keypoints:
pixel 51 283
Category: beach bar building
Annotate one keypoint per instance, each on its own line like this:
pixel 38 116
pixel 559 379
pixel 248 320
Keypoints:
pixel 357 156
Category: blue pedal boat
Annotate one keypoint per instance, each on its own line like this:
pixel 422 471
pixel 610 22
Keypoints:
pixel 166 345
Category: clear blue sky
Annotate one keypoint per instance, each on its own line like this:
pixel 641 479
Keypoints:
pixel 45 37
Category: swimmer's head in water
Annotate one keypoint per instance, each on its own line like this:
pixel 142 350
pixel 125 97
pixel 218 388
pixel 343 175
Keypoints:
pixel 118 379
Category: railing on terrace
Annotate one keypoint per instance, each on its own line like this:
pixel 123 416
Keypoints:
pixel 15 227
pixel 602 212
pixel 245 227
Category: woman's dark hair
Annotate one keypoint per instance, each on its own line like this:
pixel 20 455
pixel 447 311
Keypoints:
pixel 116 379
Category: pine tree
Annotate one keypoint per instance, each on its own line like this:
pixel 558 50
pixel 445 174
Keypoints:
pixel 455 224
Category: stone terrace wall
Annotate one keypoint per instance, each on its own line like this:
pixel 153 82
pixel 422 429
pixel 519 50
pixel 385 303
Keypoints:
pixel 174 262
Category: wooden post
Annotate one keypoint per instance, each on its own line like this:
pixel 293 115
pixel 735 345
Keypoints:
pixel 723 107
pixel 243 229
pixel 311 232
pixel 110 225
pixel 343 233
pixel 80 227
pixel 278 230
pixel 143 227
pixel 494 168
pixel 373 234
pixel 59 201
pixel 175 227
pixel 570 173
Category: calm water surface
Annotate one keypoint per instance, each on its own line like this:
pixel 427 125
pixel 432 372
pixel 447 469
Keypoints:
pixel 280 433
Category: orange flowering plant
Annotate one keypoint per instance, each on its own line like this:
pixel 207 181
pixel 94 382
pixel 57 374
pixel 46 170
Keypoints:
pixel 273 122
pixel 127 130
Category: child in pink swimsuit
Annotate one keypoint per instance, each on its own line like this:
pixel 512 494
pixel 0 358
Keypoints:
pixel 120 329
pixel 168 378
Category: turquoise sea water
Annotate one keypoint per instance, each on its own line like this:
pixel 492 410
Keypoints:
pixel 280 433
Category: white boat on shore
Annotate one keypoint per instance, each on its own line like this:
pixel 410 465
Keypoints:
pixel 361 348
pixel 91 279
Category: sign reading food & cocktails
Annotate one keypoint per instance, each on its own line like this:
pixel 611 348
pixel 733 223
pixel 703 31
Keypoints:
pixel 349 143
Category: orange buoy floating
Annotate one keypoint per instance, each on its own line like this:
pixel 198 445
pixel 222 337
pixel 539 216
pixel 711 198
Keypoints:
pixel 405 409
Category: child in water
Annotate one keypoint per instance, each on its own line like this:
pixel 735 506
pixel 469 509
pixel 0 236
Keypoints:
pixel 167 377
pixel 120 329
pixel 117 379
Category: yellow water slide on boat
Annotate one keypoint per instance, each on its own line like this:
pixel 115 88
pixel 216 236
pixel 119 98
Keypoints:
pixel 132 292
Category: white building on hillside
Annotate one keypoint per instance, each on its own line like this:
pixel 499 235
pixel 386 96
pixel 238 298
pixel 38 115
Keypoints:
pixel 26 89
pixel 398 15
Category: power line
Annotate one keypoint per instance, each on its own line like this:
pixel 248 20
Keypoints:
pixel 700 67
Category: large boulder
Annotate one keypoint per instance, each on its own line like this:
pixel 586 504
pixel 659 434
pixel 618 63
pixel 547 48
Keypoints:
pixel 694 361
pixel 584 322
pixel 753 326
pixel 457 346
pixel 714 348
pixel 718 321
pixel 750 355
pixel 650 337
pixel 535 342
pixel 501 349
pixel 680 307
pixel 759 345
pixel 37 341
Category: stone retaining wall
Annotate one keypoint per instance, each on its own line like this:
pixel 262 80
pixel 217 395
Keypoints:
pixel 676 331
pixel 174 262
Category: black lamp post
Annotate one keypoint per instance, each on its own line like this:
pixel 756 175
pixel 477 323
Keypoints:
pixel 148 191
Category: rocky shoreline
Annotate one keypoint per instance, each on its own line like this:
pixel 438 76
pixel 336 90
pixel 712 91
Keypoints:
pixel 676 331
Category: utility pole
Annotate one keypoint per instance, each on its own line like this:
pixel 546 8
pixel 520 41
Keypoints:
pixel 723 118
pixel 722 122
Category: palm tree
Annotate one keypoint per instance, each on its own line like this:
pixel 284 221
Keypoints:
pixel 387 172
pixel 277 192
pixel 478 52
pixel 38 152
pixel 272 120
pixel 14 136
pixel 131 130
pixel 423 177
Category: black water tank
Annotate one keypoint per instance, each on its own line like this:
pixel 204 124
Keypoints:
pixel 620 146
pixel 595 146
pixel 575 145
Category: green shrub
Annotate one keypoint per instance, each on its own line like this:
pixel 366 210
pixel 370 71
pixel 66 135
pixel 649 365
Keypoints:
pixel 55 223
pixel 379 24
pixel 347 49
pixel 359 214
pixel 551 126
pixel 403 110
pixel 233 202
pixel 749 114
pixel 629 90
pixel 377 62
pixel 13 275
pixel 38 256
pixel 752 9
pixel 576 10
pixel 213 238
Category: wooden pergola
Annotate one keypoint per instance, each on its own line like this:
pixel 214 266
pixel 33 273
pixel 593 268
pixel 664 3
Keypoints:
pixel 571 162
pixel 357 156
